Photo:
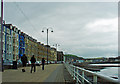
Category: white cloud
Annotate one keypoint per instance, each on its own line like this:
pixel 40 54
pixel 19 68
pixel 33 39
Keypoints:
pixel 61 0
pixel 103 25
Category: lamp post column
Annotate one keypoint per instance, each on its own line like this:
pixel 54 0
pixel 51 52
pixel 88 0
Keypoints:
pixel 1 51
pixel 47 40
pixel 47 46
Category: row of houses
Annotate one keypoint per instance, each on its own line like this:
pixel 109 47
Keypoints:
pixel 102 59
pixel 16 43
pixel 76 59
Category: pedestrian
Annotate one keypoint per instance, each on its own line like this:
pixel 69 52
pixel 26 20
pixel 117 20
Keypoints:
pixel 33 60
pixel 24 61
pixel 43 62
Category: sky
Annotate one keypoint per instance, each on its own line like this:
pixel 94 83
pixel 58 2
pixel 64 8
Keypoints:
pixel 86 29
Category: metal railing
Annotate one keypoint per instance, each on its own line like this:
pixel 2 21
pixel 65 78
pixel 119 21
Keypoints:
pixel 84 76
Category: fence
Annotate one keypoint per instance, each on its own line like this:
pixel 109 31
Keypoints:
pixel 84 76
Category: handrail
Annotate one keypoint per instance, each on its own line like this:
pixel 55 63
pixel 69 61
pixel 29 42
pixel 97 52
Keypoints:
pixel 99 75
pixel 72 70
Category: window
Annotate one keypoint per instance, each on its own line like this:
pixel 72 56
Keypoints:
pixel 13 40
pixel 21 51
pixel 4 28
pixel 13 48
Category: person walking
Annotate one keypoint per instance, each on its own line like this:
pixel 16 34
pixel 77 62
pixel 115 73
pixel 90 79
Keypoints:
pixel 24 61
pixel 43 62
pixel 33 60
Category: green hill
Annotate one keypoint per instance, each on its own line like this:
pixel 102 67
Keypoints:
pixel 73 56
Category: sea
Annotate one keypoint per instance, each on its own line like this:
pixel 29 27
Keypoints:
pixel 113 72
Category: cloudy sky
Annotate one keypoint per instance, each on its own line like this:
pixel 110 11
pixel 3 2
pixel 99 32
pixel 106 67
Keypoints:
pixel 87 29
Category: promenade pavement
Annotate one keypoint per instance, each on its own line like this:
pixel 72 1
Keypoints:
pixel 52 73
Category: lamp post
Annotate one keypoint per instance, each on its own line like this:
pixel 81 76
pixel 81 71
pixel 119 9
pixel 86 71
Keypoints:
pixel 1 50
pixel 47 38
pixel 56 45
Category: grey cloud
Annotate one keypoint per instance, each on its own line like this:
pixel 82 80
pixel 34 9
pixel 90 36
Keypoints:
pixel 68 21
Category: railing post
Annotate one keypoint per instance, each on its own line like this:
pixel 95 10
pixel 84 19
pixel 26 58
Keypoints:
pixel 94 79
pixel 77 74
pixel 70 69
pixel 74 72
pixel 83 77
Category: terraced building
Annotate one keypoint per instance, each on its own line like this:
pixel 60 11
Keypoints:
pixel 27 45
pixel 7 44
pixel 53 54
pixel 39 51
pixel 15 36
pixel 17 43
pixel 21 44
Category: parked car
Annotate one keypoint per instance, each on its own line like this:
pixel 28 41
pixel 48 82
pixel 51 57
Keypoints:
pixel 37 63
pixel 52 62
pixel 19 62
pixel 29 63
pixel 59 62
pixel 48 62
pixel 40 62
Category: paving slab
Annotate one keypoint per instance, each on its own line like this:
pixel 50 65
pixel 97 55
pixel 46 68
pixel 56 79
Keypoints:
pixel 56 76
pixel 38 76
